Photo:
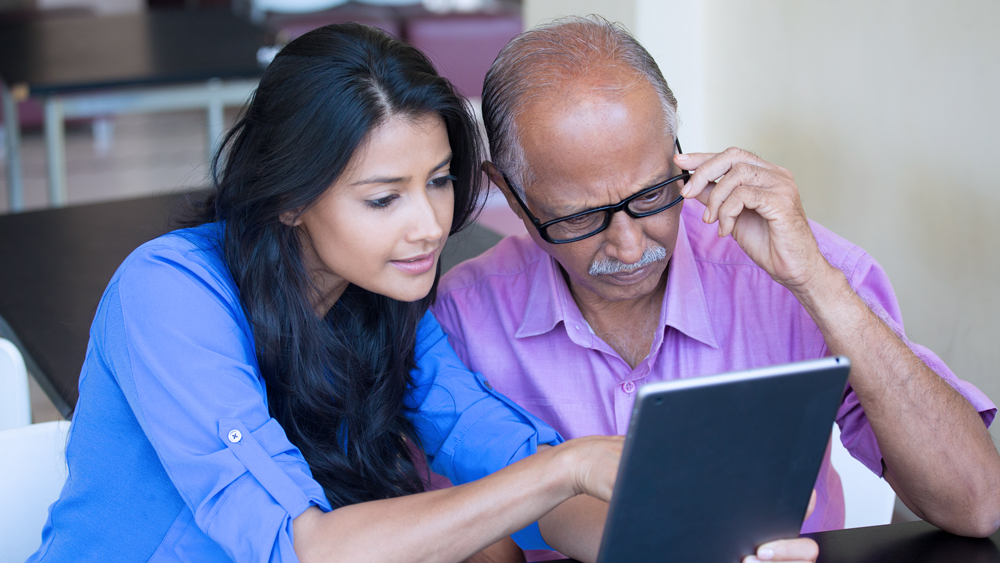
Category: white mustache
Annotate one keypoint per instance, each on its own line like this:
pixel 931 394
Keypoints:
pixel 612 266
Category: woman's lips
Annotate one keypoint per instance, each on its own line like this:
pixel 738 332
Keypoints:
pixel 415 265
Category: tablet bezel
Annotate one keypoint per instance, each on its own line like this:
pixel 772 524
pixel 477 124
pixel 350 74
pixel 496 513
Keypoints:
pixel 797 400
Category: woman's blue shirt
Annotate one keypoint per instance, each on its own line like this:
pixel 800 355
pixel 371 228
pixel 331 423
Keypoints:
pixel 172 453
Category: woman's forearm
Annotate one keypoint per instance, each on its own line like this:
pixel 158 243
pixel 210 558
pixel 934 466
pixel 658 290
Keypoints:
pixel 455 523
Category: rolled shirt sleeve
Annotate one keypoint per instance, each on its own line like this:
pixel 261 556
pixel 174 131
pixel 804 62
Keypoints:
pixel 183 354
pixel 467 428
pixel 871 283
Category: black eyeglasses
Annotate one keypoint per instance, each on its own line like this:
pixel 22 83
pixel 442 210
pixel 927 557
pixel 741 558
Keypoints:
pixel 588 223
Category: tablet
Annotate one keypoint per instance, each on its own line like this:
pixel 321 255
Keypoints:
pixel 715 466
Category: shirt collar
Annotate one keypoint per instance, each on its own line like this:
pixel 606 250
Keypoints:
pixel 684 304
pixel 549 302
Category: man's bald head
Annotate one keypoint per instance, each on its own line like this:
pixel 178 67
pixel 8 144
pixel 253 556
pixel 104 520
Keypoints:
pixel 570 57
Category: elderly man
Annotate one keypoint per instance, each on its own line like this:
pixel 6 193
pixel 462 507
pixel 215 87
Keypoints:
pixel 645 264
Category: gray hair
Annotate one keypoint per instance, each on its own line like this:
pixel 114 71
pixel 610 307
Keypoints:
pixel 541 59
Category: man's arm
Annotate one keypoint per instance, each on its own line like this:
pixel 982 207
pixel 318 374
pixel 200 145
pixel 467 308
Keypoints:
pixel 937 452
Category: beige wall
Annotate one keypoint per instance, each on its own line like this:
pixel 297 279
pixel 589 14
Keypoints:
pixel 887 112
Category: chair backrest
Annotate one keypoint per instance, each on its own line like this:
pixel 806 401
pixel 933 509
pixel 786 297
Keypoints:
pixel 32 473
pixel 258 8
pixel 15 402
pixel 868 499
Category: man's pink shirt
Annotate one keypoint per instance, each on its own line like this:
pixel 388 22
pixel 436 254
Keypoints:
pixel 509 314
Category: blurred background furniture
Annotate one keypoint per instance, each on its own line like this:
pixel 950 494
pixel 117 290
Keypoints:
pixel 461 43
pixel 57 263
pixel 32 473
pixel 92 66
pixel 15 402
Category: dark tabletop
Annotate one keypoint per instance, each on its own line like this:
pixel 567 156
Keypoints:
pixel 157 47
pixel 55 264
pixel 910 542
pixel 913 542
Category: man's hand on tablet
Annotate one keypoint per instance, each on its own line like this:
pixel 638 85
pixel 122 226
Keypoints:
pixel 799 550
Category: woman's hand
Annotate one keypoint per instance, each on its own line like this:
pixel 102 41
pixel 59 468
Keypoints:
pixel 799 550
pixel 593 461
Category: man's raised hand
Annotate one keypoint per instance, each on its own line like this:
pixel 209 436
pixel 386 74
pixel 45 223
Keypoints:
pixel 758 204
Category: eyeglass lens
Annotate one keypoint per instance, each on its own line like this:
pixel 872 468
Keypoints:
pixel 583 225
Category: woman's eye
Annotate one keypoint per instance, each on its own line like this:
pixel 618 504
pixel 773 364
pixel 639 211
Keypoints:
pixel 443 181
pixel 382 202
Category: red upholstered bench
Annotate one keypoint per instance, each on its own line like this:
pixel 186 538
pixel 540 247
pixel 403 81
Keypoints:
pixel 463 46
pixel 290 26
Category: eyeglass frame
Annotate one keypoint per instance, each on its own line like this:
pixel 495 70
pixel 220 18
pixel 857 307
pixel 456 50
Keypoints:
pixel 609 210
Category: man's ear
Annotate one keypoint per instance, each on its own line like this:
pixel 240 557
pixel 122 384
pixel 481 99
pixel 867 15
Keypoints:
pixel 497 178
pixel 291 218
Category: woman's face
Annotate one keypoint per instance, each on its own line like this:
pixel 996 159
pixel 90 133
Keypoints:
pixel 383 224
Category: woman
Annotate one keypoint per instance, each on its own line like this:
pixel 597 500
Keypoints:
pixel 255 386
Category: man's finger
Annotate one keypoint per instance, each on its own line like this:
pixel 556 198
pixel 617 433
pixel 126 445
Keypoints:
pixel 740 174
pixel 743 197
pixel 709 167
pixel 699 178
pixel 799 549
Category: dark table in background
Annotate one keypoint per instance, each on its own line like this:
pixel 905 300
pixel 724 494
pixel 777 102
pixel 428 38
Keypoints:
pixel 55 264
pixel 98 66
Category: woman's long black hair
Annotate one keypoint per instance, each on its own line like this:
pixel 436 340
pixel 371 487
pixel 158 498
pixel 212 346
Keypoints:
pixel 337 384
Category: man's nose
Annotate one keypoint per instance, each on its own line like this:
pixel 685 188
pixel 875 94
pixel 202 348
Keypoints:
pixel 624 238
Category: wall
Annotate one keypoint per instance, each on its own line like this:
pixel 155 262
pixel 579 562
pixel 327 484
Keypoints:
pixel 887 114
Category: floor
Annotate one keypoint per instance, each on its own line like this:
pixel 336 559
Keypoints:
pixel 125 156
pixel 136 155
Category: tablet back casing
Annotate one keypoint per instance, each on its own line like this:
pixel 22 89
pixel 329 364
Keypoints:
pixel 715 466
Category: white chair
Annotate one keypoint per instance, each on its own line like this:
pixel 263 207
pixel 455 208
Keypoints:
pixel 32 473
pixel 868 499
pixel 15 401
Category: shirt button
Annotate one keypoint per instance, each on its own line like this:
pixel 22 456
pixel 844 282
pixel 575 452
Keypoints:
pixel 628 387
pixel 235 436
pixel 487 384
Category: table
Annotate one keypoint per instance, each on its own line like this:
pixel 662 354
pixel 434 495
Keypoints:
pixel 94 66
pixel 55 264
pixel 912 542
pixel 909 542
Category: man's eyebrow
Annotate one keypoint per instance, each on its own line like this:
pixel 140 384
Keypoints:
pixel 397 179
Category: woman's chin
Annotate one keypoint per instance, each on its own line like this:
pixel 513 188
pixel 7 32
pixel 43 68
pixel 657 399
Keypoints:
pixel 411 292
